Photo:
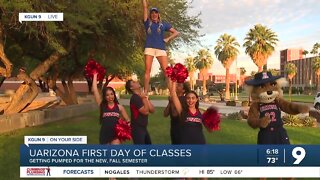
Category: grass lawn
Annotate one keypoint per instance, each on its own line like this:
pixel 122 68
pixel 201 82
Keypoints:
pixel 232 132
pixel 300 98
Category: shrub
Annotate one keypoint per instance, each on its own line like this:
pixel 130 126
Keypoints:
pixel 121 90
pixel 292 120
pixel 235 116
pixel 231 103
pixel 245 103
pixel 206 98
pixel 310 122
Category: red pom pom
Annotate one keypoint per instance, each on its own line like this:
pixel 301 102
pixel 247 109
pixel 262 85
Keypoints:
pixel 177 73
pixel 93 67
pixel 169 71
pixel 211 119
pixel 123 130
pixel 101 73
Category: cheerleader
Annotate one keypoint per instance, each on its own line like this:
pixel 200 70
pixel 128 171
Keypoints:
pixel 140 108
pixel 110 112
pixel 155 40
pixel 175 127
pixel 190 115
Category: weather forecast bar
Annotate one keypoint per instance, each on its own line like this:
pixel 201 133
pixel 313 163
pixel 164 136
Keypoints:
pixel 169 172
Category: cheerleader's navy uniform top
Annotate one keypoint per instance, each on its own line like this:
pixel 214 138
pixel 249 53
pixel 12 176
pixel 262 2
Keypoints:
pixel 155 34
pixel 109 119
pixel 175 128
pixel 139 121
pixel 274 133
pixel 191 132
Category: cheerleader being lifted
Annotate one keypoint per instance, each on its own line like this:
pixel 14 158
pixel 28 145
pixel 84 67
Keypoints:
pixel 155 40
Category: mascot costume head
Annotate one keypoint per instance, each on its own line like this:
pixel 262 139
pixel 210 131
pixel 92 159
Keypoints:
pixel 267 104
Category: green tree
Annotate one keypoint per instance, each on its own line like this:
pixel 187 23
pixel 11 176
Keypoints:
pixel 56 40
pixel 305 52
pixel 259 44
pixel 253 73
pixel 6 71
pixel 190 63
pixel 242 71
pixel 274 72
pixel 176 13
pixel 109 31
pixel 316 68
pixel 315 49
pixel 291 70
pixel 159 81
pixel 83 22
pixel 204 62
pixel 316 62
pixel 226 51
pixel 19 36
pixel 170 58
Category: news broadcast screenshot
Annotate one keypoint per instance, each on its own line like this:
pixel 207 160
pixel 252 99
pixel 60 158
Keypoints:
pixel 183 89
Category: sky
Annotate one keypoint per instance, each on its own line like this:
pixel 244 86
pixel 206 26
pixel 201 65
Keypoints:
pixel 296 23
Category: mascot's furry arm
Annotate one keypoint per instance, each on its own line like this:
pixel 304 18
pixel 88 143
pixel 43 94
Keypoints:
pixel 253 117
pixel 291 108
pixel 288 107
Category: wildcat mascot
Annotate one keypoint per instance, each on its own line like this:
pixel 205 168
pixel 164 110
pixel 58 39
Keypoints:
pixel 267 104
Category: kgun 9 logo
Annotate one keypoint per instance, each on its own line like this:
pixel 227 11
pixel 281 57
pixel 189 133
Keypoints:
pixel 298 153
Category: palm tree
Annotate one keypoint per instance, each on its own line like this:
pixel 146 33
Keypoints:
pixel 242 71
pixel 259 44
pixel 253 73
pixel 291 70
pixel 305 52
pixel 316 68
pixel 316 63
pixel 191 66
pixel 226 51
pixel 204 61
pixel 315 48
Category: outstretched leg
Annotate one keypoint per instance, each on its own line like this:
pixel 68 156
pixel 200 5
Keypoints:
pixel 163 61
pixel 148 64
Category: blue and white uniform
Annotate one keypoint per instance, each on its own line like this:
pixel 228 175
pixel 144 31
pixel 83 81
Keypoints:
pixel 155 36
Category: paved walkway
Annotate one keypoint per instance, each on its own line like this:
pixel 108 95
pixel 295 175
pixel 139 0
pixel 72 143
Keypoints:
pixel 223 109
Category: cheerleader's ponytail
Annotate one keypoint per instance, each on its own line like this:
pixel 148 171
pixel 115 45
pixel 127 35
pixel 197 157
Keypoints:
pixel 149 28
pixel 160 25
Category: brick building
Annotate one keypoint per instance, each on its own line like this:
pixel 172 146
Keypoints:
pixel 221 79
pixel 305 76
